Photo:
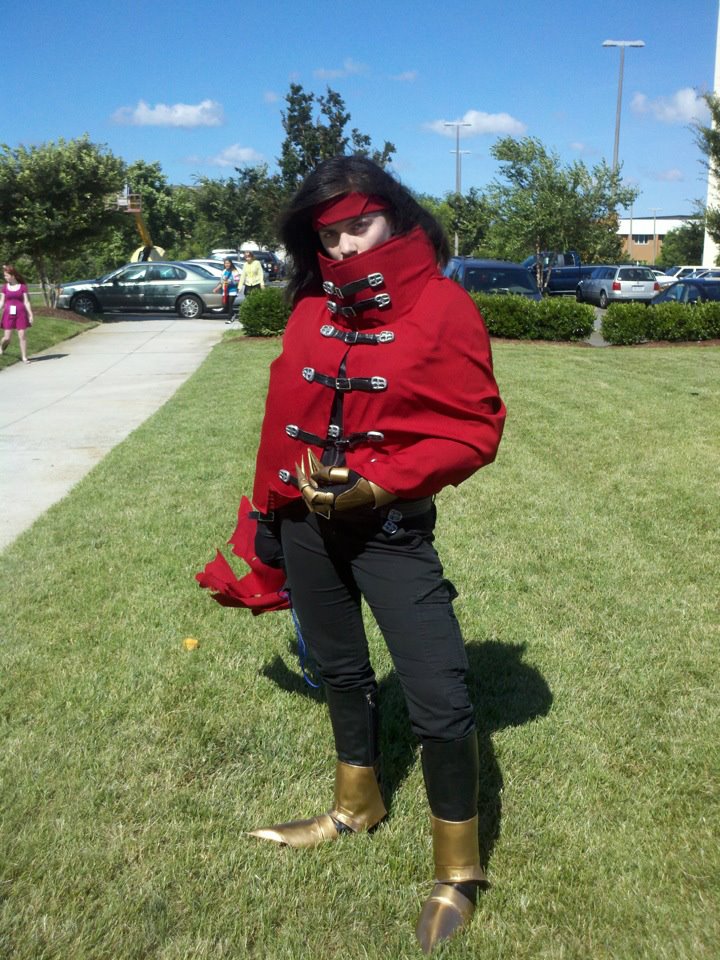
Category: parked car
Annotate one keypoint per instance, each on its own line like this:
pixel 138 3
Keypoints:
pixel 214 267
pixel 685 270
pixel 560 272
pixel 272 266
pixel 606 284
pixel 662 278
pixel 492 276
pixel 159 286
pixel 690 290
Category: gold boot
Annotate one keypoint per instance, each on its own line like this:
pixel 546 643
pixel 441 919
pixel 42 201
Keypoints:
pixel 457 860
pixel 358 806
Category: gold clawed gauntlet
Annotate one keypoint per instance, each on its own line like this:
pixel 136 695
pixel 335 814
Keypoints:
pixel 327 488
pixel 457 860
pixel 358 805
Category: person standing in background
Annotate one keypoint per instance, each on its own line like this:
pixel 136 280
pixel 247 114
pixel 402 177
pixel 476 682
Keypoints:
pixel 229 286
pixel 16 310
pixel 252 275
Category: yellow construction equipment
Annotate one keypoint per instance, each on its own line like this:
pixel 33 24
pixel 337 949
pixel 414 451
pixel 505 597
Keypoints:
pixel 131 203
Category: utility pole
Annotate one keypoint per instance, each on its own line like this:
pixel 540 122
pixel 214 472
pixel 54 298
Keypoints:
pixel 458 163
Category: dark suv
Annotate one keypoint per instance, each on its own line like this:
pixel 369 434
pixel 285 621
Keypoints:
pixel 492 276
pixel 271 265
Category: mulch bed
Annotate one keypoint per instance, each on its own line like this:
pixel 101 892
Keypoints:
pixel 62 314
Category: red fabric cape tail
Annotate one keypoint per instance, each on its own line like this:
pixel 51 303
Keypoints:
pixel 260 590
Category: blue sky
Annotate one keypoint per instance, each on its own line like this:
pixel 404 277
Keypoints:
pixel 200 87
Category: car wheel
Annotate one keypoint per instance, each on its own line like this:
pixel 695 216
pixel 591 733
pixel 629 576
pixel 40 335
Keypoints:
pixel 578 295
pixel 603 300
pixel 189 306
pixel 85 304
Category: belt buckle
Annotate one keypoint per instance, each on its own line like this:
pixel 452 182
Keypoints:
pixel 343 384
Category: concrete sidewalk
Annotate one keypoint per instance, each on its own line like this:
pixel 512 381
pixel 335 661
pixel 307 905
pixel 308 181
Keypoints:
pixel 61 413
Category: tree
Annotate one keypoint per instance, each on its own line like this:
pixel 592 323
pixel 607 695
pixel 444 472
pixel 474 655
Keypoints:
pixel 543 205
pixel 685 244
pixel 310 138
pixel 53 201
pixel 237 209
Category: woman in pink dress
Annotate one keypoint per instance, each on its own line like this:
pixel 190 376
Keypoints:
pixel 16 310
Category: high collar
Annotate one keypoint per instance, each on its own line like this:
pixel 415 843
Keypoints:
pixel 406 263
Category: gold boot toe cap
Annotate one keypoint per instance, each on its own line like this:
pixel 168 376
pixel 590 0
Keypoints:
pixel 444 912
pixel 300 833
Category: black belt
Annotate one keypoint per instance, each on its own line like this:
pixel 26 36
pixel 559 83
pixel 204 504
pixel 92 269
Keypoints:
pixel 334 437
pixel 354 336
pixel 345 384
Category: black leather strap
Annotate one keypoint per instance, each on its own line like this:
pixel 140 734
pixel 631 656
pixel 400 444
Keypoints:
pixel 334 438
pixel 354 336
pixel 380 301
pixel 345 384
pixel 355 286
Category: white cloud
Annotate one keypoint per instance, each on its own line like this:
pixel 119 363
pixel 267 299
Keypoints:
pixel 207 113
pixel 673 175
pixel 479 123
pixel 235 156
pixel 349 68
pixel 684 106
pixel 270 96
pixel 579 147
pixel 408 76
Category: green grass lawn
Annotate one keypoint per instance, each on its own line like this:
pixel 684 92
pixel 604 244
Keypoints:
pixel 586 558
pixel 45 332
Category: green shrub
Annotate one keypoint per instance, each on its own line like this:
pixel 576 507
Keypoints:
pixel 520 318
pixel 626 323
pixel 679 321
pixel 264 313
pixel 509 315
pixel 562 318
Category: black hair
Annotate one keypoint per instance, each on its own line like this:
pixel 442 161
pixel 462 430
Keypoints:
pixel 333 178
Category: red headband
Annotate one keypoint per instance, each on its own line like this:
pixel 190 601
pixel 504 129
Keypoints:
pixel 345 206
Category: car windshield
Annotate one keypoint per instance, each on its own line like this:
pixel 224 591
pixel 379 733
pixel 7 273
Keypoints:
pixel 498 280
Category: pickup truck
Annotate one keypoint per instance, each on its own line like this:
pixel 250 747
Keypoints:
pixel 561 272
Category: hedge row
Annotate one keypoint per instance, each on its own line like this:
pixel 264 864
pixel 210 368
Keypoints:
pixel 626 323
pixel 265 314
pixel 554 318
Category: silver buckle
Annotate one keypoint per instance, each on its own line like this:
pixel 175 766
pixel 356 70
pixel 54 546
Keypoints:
pixel 333 431
pixel 375 436
pixel 327 329
pixel 343 384
pixel 385 336
pixel 332 306
pixel 382 300
pixel 375 279
pixel 309 374
pixel 378 383
pixel 292 430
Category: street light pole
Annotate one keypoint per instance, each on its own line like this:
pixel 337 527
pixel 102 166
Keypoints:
pixel 458 179
pixel 622 44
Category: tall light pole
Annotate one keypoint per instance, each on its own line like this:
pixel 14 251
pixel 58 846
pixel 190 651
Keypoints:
pixel 622 44
pixel 458 153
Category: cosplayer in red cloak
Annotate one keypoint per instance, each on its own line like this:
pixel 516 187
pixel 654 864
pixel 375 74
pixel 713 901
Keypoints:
pixel 383 395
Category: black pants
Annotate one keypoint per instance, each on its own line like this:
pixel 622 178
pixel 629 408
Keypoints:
pixel 332 564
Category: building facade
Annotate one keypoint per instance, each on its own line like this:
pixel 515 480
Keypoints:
pixel 643 236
